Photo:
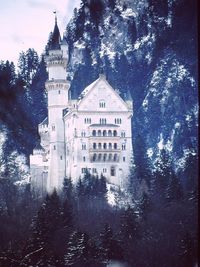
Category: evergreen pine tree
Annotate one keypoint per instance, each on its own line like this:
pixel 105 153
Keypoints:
pixel 129 226
pixel 145 204
pixel 43 243
pixel 141 160
pixel 67 190
pixel 102 190
pixel 38 98
pixel 110 248
pixel 174 190
pixel 186 251
pixel 81 251
pixel 28 64
pixel 129 233
pixel 162 175
pixel 80 188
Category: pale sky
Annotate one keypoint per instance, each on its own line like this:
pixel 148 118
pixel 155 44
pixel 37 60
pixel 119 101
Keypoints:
pixel 27 23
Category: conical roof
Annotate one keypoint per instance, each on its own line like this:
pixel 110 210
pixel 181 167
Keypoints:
pixel 54 42
pixel 38 147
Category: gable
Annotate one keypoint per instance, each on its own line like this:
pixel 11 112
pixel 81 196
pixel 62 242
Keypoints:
pixel 100 96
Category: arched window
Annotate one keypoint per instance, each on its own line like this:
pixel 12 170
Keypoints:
pixel 110 146
pixel 104 146
pixel 102 121
pixel 109 133
pixel 110 157
pixel 115 157
pixel 94 133
pixel 104 157
pixel 104 133
pixel 112 171
pixel 102 104
pixel 99 146
pixel 115 145
pixel 94 145
pixel 99 132
pixel 114 133
pixel 83 146
pixel 94 157
pixel 123 147
pixel 123 134
pixel 99 157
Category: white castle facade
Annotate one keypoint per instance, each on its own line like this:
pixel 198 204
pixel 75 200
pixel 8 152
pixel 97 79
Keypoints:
pixel 90 133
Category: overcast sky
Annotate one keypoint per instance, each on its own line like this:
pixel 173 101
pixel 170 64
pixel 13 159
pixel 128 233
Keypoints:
pixel 27 23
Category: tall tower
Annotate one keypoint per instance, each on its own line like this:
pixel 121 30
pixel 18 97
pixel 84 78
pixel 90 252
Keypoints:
pixel 57 88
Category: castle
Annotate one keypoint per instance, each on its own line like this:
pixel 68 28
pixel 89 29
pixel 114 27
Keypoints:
pixel 90 133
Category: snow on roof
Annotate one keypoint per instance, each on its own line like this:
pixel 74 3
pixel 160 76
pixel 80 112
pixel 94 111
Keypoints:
pixel 38 147
pixel 104 125
pixel 88 88
pixel 44 122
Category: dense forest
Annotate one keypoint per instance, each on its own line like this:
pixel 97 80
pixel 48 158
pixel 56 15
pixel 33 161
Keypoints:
pixel 146 49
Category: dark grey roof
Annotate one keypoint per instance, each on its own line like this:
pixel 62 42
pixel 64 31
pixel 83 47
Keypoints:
pixel 45 121
pixel 104 125
pixel 65 111
pixel 39 147
pixel 54 42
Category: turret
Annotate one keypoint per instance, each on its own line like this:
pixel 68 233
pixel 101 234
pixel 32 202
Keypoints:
pixel 57 88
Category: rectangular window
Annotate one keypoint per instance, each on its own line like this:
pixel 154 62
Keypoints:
pixel 54 147
pixel 83 170
pixel 123 134
pixel 83 134
pixel 104 170
pixel 83 146
pixel 94 170
pixel 83 158
pixel 123 147
pixel 124 159
pixel 102 104
pixel 112 171
pixel 87 120
pixel 118 121
pixel 102 121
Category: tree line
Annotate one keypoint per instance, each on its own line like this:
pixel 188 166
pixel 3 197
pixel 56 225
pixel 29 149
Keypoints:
pixel 78 227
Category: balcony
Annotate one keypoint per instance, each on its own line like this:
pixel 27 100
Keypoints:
pixel 101 150
pixel 104 157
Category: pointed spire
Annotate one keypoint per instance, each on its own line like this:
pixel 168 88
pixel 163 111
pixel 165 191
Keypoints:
pixel 54 43
pixel 55 17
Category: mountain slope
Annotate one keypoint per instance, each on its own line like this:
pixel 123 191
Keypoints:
pixel 148 48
